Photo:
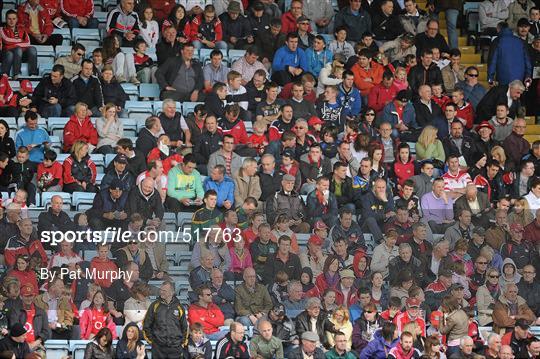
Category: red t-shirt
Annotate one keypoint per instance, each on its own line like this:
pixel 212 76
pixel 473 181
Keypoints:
pixel 29 325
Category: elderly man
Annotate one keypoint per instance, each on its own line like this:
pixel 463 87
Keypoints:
pixel 437 207
pixel 24 243
pixel 222 293
pixel 200 275
pixel 288 202
pixel 493 346
pixel 269 178
pixel 506 352
pixel 314 318
pixel 308 348
pixel 509 94
pixel 530 289
pixel 465 351
pixel 55 219
pixel 509 308
pixel 252 299
pixel 476 203
pixel 515 146
pixel 377 207
pixel 405 261
pixel 295 303
pixel 356 21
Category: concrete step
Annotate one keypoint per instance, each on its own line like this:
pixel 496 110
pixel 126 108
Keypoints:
pixel 532 138
pixel 467 50
pixel 532 129
pixel 530 120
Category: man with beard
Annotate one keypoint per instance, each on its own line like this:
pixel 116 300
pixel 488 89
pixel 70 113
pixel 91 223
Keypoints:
pixel 404 349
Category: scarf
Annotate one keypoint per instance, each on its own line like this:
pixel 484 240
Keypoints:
pixel 331 280
pixel 494 290
pixel 322 200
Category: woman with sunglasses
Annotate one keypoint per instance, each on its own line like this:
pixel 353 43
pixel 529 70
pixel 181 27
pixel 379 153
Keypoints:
pixel 366 123
pixel 486 296
pixel 365 327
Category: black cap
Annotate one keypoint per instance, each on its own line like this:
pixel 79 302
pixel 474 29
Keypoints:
pixel 116 184
pixel 17 330
pixel 404 96
pixel 479 230
pixel 408 37
pixel 278 309
pixel 288 153
pixel 445 273
pixel 523 324
pixel 523 22
pixel 455 286
pixel 120 158
pixel 258 6
pixel 302 19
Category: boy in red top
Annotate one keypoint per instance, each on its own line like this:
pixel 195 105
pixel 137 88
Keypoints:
pixel 367 73
pixel 16 47
pixel 464 108
pixel 412 313
pixel 233 125
pixel 102 265
pixel 31 13
pixel 258 139
pixel 21 100
pixel 439 97
pixel 205 30
pixel 79 13
pixel 79 127
pixel 163 152
pixel 49 173
pixel 207 313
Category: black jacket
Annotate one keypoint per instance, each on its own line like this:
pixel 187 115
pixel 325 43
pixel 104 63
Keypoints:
pixel 422 41
pixel 166 73
pixel 122 351
pixel 165 51
pixel 113 92
pixel 226 348
pixel 89 92
pixel 467 148
pixel 488 104
pixel 147 206
pixel 166 324
pixel 172 127
pixel 7 145
pixel 47 221
pixel 258 24
pixel 207 144
pixel 146 141
pixel 386 28
pixel 531 293
pixel 423 116
pixel 347 194
pixel 269 44
pixel 41 323
pixel 127 179
pixel 21 350
pixel 419 75
pixel 238 28
pixel 270 184
pixel 24 172
pixel 213 104
pixel 64 92
pixel 298 354
pixel 292 267
pixel 303 324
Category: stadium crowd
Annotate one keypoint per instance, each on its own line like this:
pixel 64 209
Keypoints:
pixel 352 190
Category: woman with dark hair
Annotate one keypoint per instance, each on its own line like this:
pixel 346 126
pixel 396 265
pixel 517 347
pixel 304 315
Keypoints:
pixel 101 346
pixel 361 269
pixel 364 328
pixel 178 19
pixel 308 288
pixel 404 166
pixel 376 154
pixel 112 91
pixel 432 348
pixel 366 125
pixel 23 273
pixel 404 282
pixel 7 145
pixel 130 346
pixel 329 278
pixel 379 292
pixel 360 146
pixel 328 302
pixel 149 28
pixel 123 65
pixel 383 340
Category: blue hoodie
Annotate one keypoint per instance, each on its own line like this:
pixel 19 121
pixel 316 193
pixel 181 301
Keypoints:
pixel 351 101
pixel 224 189
pixel 26 137
pixel 376 348
pixel 316 61
pixel 285 57
pixel 510 59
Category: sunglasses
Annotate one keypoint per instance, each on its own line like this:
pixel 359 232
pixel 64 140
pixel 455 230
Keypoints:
pixel 481 262
pixel 494 276
pixel 370 114
pixel 472 75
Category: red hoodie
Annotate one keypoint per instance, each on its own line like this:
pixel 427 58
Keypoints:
pixel 74 8
pixel 156 154
pixel 466 112
pixel 211 317
pixel 75 130
pixel 403 171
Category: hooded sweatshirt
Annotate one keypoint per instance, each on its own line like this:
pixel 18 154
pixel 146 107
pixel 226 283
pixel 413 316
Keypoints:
pixel 122 351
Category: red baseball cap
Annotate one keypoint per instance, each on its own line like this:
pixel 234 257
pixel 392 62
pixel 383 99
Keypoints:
pixel 314 120
pixel 316 240
pixel 26 85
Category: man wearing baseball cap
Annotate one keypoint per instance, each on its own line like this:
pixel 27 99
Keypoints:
pixel 109 207
pixel 16 341
pixel 32 318
pixel 346 293
pixel 120 172
pixel 518 338
pixel 411 314
pixel 515 248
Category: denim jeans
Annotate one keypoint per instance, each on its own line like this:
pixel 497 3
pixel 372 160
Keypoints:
pixel 451 24
pixel 220 45
pixel 14 58
pixel 73 23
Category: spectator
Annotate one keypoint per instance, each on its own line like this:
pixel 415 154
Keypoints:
pixel 113 92
pixel 236 30
pixel 186 87
pixel 149 28
pixel 284 260
pixel 169 46
pixel 80 128
pixel 430 39
pixel 367 72
pixel 15 342
pixel 504 317
pixel 124 22
pixel 79 170
pixel 377 207
pixel 88 88
pixel 509 94
pixel 55 95
pixel 472 90
pixel 55 219
pixel 266 344
pixel 109 207
pixel 269 41
pixel 274 112
pixel 233 345
pixel 215 70
pixel 130 345
pixel 167 333
pixel 356 21
pixel 383 341
pixel 79 14
pixel 42 34
pixel 321 204
pixel 437 207
pixel 386 24
pixel 384 253
pixel 16 47
pixel 72 62
pixel 246 182
pixel 252 299
pixel 24 243
pixel 110 129
pixel 207 313
pixel 290 62
pixel 515 146
pixel 35 139
pixel 425 73
pixel 184 186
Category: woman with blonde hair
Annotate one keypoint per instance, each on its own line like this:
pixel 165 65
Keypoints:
pixel 331 73
pixel 497 153
pixel 521 213
pixel 429 146
pixel 110 129
pixel 341 322
pixel 79 170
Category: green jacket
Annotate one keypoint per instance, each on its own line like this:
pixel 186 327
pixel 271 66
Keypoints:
pixel 332 354
pixel 180 186
pixel 272 349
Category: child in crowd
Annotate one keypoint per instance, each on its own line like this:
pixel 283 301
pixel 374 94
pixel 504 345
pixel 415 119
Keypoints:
pixel 410 62
pixel 340 45
pixel 439 97
pixel 23 173
pixel 49 173
pixel 400 78
pixel 144 65
pixel 278 289
pixel 394 309
pixel 258 139
pixel 329 141
pixel 282 228
pixel 97 58
pixel 315 125
pixel 95 317
pixel 198 345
